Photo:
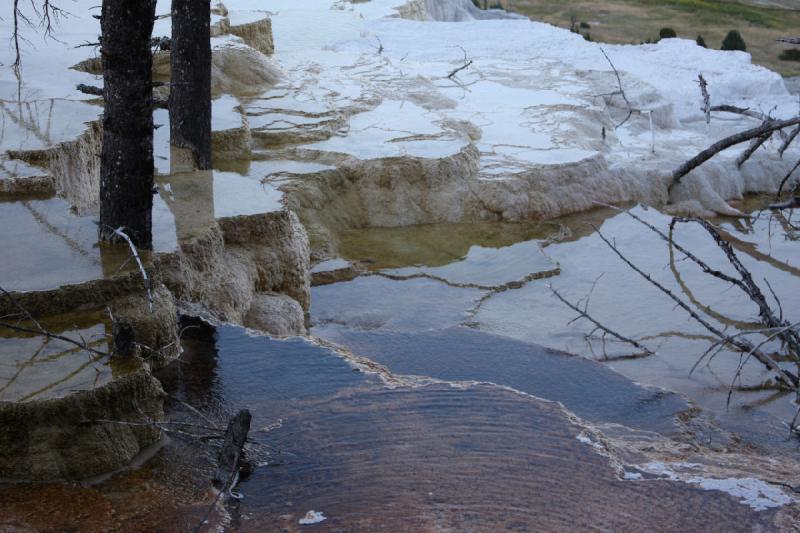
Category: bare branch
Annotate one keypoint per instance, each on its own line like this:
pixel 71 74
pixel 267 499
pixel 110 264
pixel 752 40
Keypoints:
pixel 48 15
pixel 786 179
pixel 788 140
pixel 727 142
pixel 583 314
pixel 621 90
pixel 786 378
pixel 467 63
pixel 135 253
pixel 706 98
pixel 754 145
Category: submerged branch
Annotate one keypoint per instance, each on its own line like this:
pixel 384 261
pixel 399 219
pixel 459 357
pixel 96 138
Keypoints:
pixel 786 378
pixel 584 314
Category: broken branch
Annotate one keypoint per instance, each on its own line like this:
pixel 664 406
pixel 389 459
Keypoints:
pixel 467 63
pixel 754 145
pixel 706 98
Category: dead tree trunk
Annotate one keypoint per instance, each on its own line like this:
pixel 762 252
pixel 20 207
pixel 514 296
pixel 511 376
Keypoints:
pixel 231 453
pixel 126 160
pixel 190 93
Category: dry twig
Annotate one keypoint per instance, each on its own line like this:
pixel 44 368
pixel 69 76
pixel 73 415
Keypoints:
pixel 706 98
pixel 467 63
pixel 135 252
pixel 583 313
pixel 621 91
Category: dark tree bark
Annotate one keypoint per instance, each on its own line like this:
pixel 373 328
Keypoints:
pixel 190 93
pixel 126 167
pixel 230 455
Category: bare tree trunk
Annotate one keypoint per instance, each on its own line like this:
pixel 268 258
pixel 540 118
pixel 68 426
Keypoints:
pixel 126 167
pixel 190 95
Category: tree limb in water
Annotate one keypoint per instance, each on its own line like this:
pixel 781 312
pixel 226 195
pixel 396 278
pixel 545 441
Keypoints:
pixel 97 91
pixel 231 453
pixel 584 314
pixel 784 377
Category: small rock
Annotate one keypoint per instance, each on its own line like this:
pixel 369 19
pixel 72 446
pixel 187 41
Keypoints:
pixel 276 314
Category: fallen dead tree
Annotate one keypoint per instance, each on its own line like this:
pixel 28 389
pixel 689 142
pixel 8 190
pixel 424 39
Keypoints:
pixel 757 136
pixel 765 129
pixel 230 461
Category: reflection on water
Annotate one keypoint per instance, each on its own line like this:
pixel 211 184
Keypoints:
pixel 331 438
pixel 37 367
pixel 39 124
pixel 619 298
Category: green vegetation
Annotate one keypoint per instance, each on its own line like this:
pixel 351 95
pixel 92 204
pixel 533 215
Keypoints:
pixel 751 14
pixel 667 33
pixel 734 41
pixel 576 27
pixel 792 54
pixel 639 21
pixel 488 4
pixel 700 41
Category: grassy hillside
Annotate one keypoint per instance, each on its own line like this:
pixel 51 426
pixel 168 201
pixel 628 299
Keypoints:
pixel 634 21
